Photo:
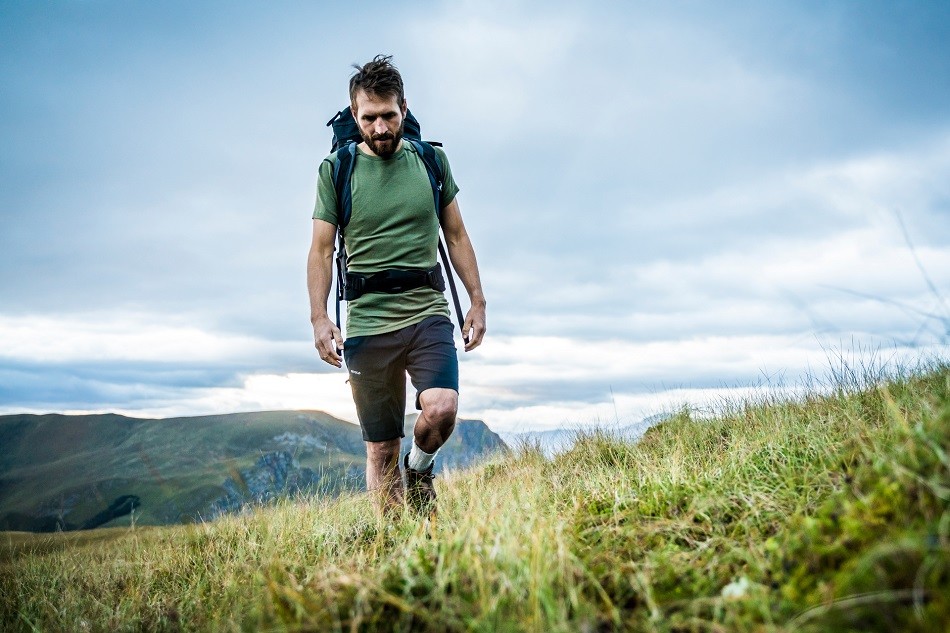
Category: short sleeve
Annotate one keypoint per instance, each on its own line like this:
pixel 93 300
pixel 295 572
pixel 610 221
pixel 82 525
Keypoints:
pixel 449 187
pixel 326 205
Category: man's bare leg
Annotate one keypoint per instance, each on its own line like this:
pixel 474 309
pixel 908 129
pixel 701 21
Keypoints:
pixel 437 420
pixel 383 479
pixel 433 428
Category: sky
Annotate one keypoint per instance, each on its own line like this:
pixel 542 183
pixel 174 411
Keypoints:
pixel 671 202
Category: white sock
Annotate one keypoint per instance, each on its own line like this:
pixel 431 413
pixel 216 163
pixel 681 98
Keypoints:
pixel 419 459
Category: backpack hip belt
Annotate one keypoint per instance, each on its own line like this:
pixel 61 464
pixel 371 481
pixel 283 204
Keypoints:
pixel 393 281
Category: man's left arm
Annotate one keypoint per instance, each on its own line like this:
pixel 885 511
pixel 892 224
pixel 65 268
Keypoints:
pixel 462 255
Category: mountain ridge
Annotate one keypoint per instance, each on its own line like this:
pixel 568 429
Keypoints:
pixel 60 471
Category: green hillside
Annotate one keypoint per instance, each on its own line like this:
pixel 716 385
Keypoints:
pixel 830 513
pixel 68 468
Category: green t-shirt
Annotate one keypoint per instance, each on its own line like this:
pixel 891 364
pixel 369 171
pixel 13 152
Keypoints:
pixel 392 225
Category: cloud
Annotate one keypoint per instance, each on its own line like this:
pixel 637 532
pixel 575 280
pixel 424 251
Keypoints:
pixel 660 197
pixel 123 338
pixel 490 69
pixel 776 254
pixel 263 392
pixel 131 361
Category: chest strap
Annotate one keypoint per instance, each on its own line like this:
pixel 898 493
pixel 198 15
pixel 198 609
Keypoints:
pixel 393 281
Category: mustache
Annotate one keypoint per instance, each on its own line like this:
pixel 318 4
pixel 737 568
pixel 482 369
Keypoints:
pixel 387 136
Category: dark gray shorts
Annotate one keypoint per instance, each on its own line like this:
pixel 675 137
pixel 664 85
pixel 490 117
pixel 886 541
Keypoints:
pixel 378 365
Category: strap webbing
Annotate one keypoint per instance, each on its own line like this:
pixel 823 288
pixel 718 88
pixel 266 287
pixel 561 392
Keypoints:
pixel 455 293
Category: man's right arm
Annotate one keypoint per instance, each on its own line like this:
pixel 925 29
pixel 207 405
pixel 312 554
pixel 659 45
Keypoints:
pixel 327 338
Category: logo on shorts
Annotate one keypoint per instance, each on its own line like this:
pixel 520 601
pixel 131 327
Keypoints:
pixel 353 371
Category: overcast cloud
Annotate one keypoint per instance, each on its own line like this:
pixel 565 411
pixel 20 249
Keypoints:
pixel 670 202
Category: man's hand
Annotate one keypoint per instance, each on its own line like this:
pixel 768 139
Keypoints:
pixel 327 338
pixel 474 328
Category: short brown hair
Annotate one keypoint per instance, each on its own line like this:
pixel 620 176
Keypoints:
pixel 378 78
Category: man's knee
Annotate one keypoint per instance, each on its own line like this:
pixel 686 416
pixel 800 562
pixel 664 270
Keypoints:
pixel 440 406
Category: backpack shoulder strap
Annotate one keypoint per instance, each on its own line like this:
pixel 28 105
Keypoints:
pixel 342 174
pixel 436 171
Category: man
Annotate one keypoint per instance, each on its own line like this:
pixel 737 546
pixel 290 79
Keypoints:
pixel 393 227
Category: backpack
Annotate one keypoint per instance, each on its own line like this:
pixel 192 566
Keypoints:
pixel 346 136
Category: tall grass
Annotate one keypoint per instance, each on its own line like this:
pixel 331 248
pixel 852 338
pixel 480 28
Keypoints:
pixel 826 513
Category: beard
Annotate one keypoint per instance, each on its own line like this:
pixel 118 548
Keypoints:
pixel 384 145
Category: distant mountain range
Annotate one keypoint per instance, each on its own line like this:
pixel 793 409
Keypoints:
pixel 62 472
pixel 557 441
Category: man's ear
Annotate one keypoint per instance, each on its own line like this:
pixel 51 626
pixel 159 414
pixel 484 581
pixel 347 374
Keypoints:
pixel 405 107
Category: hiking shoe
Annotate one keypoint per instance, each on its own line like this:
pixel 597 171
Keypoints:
pixel 420 492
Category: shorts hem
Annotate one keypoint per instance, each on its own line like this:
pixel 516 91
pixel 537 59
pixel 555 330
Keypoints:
pixel 388 439
pixel 454 388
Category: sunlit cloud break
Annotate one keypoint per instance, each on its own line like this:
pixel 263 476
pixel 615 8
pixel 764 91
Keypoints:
pixel 515 383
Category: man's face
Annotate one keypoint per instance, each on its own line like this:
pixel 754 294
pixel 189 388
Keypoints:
pixel 380 120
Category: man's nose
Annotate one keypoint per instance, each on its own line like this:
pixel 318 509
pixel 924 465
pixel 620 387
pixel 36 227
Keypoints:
pixel 379 126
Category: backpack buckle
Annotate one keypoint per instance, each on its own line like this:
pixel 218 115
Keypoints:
pixel 434 278
pixel 355 286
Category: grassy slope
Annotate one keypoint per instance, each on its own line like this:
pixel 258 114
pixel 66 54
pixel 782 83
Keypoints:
pixel 830 514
